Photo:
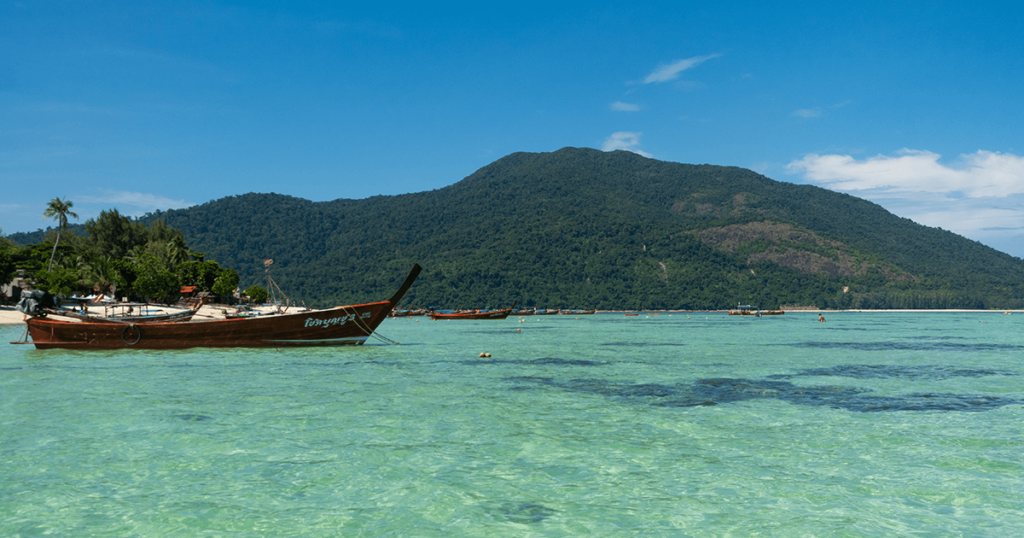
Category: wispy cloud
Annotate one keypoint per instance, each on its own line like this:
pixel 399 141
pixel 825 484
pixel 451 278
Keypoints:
pixel 671 71
pixel 818 111
pixel 980 196
pixel 133 203
pixel 807 113
pixel 624 140
pixel 28 215
pixel 619 106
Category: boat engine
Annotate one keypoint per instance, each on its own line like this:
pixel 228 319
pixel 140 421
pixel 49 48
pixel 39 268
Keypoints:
pixel 34 302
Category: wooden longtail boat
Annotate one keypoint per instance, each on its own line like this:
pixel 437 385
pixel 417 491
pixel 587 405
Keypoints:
pixel 341 325
pixel 578 312
pixel 476 314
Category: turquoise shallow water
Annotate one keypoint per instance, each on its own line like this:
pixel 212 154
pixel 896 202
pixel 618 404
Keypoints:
pixel 872 424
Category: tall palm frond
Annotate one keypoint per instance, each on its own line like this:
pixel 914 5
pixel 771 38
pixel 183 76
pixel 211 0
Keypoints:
pixel 58 210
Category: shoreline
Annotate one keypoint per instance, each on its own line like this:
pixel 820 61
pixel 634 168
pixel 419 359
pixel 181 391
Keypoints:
pixel 10 316
pixel 824 311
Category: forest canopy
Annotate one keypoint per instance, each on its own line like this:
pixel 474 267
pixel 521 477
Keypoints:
pixel 119 256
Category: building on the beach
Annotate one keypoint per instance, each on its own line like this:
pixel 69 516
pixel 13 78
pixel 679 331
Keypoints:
pixel 11 291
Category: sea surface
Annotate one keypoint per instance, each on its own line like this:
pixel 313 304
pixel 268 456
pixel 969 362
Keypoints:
pixel 870 424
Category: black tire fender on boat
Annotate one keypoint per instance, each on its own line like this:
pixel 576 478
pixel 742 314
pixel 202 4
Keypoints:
pixel 137 338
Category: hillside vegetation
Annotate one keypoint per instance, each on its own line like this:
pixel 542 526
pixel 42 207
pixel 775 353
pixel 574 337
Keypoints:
pixel 609 230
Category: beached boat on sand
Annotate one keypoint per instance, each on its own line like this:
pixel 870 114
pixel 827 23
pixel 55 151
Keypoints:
pixel 341 325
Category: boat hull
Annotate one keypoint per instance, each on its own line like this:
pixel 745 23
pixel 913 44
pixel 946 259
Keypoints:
pixel 338 326
pixel 343 325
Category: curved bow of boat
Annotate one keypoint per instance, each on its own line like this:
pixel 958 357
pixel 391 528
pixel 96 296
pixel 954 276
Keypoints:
pixel 405 285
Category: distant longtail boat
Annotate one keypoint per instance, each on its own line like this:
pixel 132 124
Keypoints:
pixel 475 314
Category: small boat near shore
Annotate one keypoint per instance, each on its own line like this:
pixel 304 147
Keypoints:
pixel 748 310
pixel 341 325
pixel 545 312
pixel 408 313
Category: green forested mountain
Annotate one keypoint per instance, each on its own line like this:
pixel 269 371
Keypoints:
pixel 611 230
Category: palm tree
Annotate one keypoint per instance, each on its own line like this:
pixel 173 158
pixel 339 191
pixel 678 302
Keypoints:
pixel 179 250
pixel 58 210
pixel 99 272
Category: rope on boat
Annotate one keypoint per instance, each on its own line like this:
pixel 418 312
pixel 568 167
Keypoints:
pixel 366 328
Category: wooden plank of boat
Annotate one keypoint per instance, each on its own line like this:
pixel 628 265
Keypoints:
pixel 341 325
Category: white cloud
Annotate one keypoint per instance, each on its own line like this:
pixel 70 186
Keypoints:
pixel 624 140
pixel 619 106
pixel 984 173
pixel 971 219
pixel 982 197
pixel 996 222
pixel 671 71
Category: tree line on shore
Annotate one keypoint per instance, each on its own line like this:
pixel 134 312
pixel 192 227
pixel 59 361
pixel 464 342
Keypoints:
pixel 118 256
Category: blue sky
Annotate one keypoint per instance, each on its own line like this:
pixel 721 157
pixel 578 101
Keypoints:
pixel 159 105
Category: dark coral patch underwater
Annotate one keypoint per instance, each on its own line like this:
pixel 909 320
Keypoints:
pixel 708 392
